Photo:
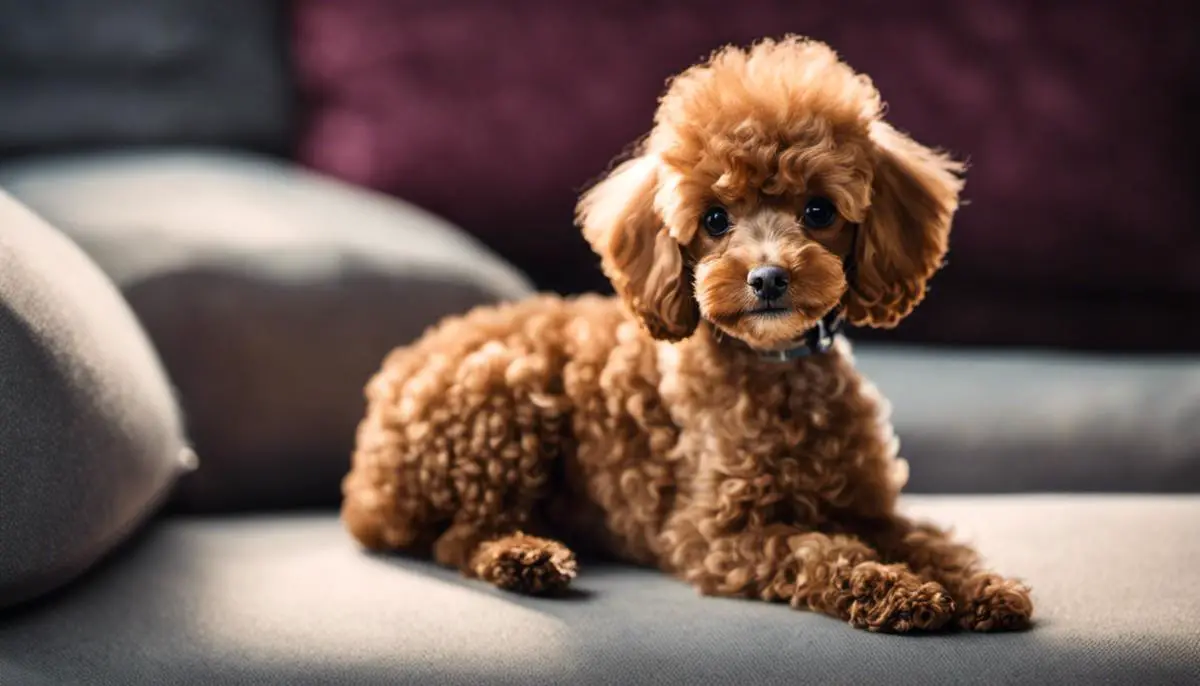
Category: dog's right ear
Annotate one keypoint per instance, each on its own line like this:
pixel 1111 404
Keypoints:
pixel 641 258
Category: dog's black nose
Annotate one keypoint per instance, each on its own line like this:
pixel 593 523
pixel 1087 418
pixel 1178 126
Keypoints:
pixel 769 282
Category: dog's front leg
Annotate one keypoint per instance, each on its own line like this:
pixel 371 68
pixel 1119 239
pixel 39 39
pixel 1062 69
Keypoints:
pixel 838 575
pixel 986 601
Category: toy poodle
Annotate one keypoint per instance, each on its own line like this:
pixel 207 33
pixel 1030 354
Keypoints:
pixel 708 420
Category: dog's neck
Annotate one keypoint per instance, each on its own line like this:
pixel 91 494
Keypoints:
pixel 817 340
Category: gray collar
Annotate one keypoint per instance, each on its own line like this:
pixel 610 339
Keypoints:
pixel 816 341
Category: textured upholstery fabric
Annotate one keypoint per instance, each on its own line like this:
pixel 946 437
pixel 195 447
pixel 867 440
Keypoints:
pixel 90 436
pixel 990 421
pixel 122 72
pixel 1075 116
pixel 290 600
pixel 272 296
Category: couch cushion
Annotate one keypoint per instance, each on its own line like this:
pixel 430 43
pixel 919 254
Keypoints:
pixel 90 436
pixel 272 295
pixel 123 72
pixel 291 600
pixel 1054 247
pixel 1006 421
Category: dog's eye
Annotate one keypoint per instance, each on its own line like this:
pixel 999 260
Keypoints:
pixel 819 213
pixel 715 221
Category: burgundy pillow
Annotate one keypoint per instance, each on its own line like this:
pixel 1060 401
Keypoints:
pixel 1076 117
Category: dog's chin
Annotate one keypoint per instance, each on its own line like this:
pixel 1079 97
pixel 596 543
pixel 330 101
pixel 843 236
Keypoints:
pixel 766 329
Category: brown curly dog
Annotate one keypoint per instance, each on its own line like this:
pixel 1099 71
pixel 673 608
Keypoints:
pixel 709 420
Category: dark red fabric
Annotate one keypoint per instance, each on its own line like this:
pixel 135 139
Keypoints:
pixel 1078 118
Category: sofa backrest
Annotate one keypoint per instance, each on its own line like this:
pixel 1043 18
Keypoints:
pixel 81 73
pixel 1077 119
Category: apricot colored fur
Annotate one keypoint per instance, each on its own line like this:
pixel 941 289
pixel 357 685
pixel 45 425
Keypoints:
pixel 649 425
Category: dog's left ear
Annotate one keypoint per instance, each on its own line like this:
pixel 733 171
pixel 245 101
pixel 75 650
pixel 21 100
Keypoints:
pixel 638 254
pixel 904 237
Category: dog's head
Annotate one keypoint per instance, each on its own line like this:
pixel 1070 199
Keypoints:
pixel 769 192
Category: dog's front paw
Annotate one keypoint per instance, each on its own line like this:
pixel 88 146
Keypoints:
pixel 993 603
pixel 891 599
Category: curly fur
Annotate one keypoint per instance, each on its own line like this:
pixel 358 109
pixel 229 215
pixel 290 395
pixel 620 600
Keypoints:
pixel 648 425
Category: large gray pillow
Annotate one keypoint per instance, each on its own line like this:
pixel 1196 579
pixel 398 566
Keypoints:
pixel 90 436
pixel 272 295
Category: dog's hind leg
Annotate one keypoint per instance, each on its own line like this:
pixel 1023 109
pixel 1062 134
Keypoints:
pixel 505 448
pixel 377 508
pixel 513 561
pixel 460 445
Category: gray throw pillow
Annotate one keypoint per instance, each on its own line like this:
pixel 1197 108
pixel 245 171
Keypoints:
pixel 90 436
pixel 272 295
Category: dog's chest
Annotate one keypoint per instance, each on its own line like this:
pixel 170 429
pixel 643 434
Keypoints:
pixel 792 439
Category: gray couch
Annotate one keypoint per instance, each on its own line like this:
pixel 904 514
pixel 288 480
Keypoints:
pixel 186 320
pixel 217 590
pixel 288 599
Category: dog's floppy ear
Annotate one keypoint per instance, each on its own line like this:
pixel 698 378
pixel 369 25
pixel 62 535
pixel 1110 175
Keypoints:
pixel 903 239
pixel 638 254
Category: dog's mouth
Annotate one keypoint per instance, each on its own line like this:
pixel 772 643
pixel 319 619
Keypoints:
pixel 764 312
pixel 767 311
